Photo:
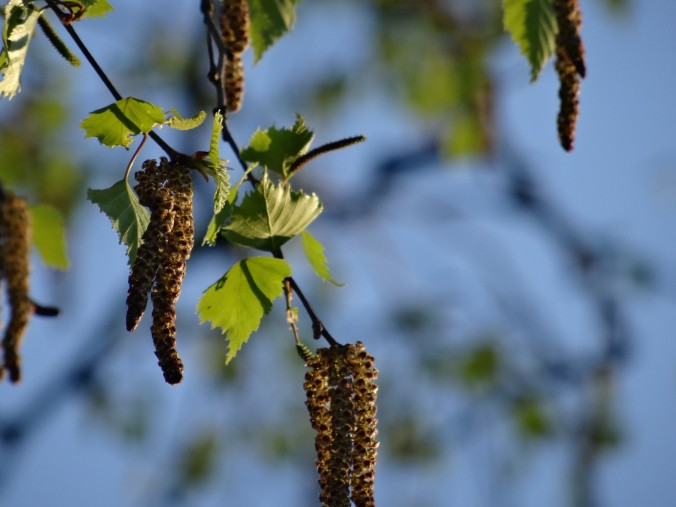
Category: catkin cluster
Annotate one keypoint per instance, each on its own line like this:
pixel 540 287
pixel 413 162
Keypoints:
pixel 570 66
pixel 341 399
pixel 14 264
pixel 159 267
pixel 235 37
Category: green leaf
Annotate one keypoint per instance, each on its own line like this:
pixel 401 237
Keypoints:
pixel 218 220
pixel 314 251
pixel 531 418
pixel 270 20
pixel 277 149
pixel 49 235
pixel 237 302
pixel 17 31
pixel 116 124
pixel 222 217
pixel 128 217
pixel 533 28
pixel 94 8
pixel 179 123
pixel 271 215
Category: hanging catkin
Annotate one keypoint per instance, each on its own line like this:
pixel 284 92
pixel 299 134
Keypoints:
pixel 171 273
pixel 235 37
pixel 160 264
pixel 341 401
pixel 362 366
pixel 569 91
pixel 570 66
pixel 15 243
pixel 151 194
pixel 569 39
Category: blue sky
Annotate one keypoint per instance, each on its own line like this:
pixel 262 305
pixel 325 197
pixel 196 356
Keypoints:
pixel 619 185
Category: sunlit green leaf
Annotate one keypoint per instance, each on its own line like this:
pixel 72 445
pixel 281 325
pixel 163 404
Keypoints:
pixel 271 215
pixel 276 148
pixel 533 28
pixel 128 217
pixel 94 8
pixel 218 220
pixel 116 124
pixel 314 251
pixel 270 20
pixel 49 235
pixel 17 31
pixel 237 302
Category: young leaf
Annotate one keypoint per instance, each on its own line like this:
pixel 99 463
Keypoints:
pixel 178 122
pixel 271 215
pixel 17 31
pixel 94 8
pixel 532 25
pixel 237 302
pixel 277 149
pixel 314 251
pixel 221 217
pixel 128 217
pixel 116 124
pixel 49 235
pixel 270 20
pixel 218 220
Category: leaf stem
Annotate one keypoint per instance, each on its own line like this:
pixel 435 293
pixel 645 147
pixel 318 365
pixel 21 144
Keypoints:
pixel 134 156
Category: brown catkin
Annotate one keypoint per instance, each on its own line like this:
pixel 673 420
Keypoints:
pixel 235 25
pixel 570 66
pixel 341 400
pixel 365 451
pixel 569 92
pixel 154 241
pixel 569 18
pixel 234 83
pixel 235 37
pixel 15 237
pixel 171 273
pixel 336 487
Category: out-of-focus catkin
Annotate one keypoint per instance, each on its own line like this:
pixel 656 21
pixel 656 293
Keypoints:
pixel 235 37
pixel 15 246
pixel 160 264
pixel 569 39
pixel 569 92
pixel 341 400
pixel 570 66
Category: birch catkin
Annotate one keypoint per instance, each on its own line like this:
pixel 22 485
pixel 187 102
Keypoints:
pixel 569 92
pixel 235 38
pixel 341 401
pixel 171 273
pixel 15 245
pixel 160 264
pixel 570 66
